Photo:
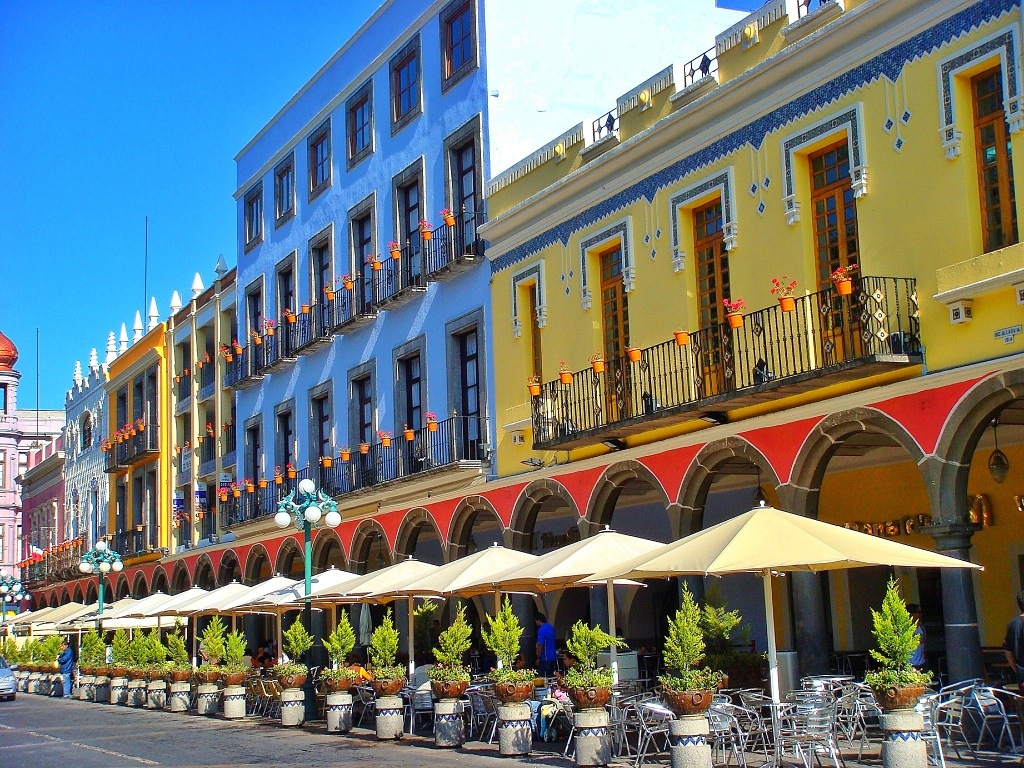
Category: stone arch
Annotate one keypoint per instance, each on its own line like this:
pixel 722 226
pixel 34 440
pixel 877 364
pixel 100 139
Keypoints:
pixel 180 579
pixel 158 583
pixel 204 575
pixel 289 559
pixel 627 477
pixel 90 592
pixel 121 588
pixel 533 500
pixel 369 538
pixel 229 569
pixel 65 596
pixel 711 460
pixel 140 587
pixel 471 512
pixel 328 551
pixel 258 565
pixel 414 525
pixel 78 594
pixel 41 601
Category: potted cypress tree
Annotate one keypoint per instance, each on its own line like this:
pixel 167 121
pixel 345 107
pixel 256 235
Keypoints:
pixel 211 642
pixel 388 677
pixel 687 688
pixel 92 653
pixel 119 654
pixel 339 644
pixel 233 671
pixel 588 685
pixel 181 665
pixel 449 677
pixel 297 641
pixel 511 685
pixel 896 685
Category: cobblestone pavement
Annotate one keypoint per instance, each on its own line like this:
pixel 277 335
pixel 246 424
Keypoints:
pixel 36 732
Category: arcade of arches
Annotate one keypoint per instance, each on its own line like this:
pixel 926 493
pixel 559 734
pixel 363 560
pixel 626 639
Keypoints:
pixel 914 466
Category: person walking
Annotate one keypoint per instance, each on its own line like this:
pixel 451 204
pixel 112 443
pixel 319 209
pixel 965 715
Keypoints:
pixel 1013 644
pixel 545 646
pixel 66 660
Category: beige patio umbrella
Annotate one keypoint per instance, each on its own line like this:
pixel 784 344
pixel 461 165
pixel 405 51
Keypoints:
pixel 211 602
pixel 563 567
pixel 166 606
pixel 47 625
pixel 384 581
pixel 28 617
pixel 766 539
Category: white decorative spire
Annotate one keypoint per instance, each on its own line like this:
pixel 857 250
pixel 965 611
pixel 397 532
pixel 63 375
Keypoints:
pixel 175 303
pixel 222 267
pixel 78 373
pixel 197 286
pixel 94 360
pixel 154 314
pixel 137 327
pixel 122 341
pixel 111 348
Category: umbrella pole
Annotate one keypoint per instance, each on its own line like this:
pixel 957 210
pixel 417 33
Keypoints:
pixel 409 621
pixel 611 630
pixel 773 656
pixel 280 621
pixel 496 602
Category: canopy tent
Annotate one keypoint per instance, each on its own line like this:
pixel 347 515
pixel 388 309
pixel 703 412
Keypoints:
pixel 296 592
pixel 47 624
pixel 384 581
pixel 92 615
pixel 241 602
pixel 211 602
pixel 29 616
pixel 564 567
pixel 144 609
pixel 766 539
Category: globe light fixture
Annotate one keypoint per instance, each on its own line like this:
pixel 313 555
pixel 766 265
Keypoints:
pixel 11 591
pixel 101 560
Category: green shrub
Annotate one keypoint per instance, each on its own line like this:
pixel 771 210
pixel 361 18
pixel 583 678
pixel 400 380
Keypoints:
pixel 212 640
pixel 452 644
pixel 895 633
pixel 341 641
pixel 585 642
pixel 92 652
pixel 119 648
pixel 234 651
pixel 177 651
pixel 154 649
pixel 297 640
pixel 684 650
pixel 383 651
pixel 503 634
pixel 10 651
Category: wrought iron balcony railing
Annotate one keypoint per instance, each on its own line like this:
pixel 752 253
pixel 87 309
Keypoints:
pixel 207 380
pixel 701 66
pixel 145 442
pixel 237 369
pixel 774 353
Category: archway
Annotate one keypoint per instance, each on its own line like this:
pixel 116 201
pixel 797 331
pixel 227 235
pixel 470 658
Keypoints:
pixel 475 525
pixel 180 581
pixel 229 569
pixel 122 590
pixel 418 537
pixel 90 592
pixel 204 577
pixel 65 597
pixel 140 588
pixel 78 593
pixel 545 517
pixel 159 581
pixel 289 559
pixel 370 550
pixel 327 551
pixel 257 565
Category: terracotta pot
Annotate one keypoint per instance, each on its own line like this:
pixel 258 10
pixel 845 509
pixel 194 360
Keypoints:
pixel 264 483
pixel 432 425
pixel 449 221
pixel 513 693
pixel 388 686
pixel 270 331
pixel 339 686
pixel 291 681
pixel 248 487
pixel 687 702
pixel 682 338
pixel 364 448
pixel 348 285
pixel 329 295
pixel 634 354
pixel 345 455
pixel 565 377
pixel 396 253
pixel 238 349
pixel 597 365
pixel 305 309
pixel 426 234
pixel 735 320
pixel 207 675
pixel 229 357
pixel 233 678
pixel 291 474
pixel 378 266
pixel 237 493
pixel 534 390
pixel 447 689
pixel 409 435
pixel 86 670
pixel 178 676
pixel 136 674
pixel 257 340
pixel 787 303
pixel 385 442
pixel 594 697
pixel 844 287
pixel 102 671
pixel 327 461
pixel 898 697
pixel 118 671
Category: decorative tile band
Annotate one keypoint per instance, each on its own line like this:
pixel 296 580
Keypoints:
pixel 902 736
pixel 389 712
pixel 534 272
pixel 338 707
pixel 598 731
pixel 296 703
pixel 619 231
pixel 723 182
pixel 234 697
pixel 454 718
pixel 888 64
pixel 525 723
pixel 688 741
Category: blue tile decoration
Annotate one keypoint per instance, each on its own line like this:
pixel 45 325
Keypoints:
pixel 720 181
pixel 536 274
pixel 905 117
pixel 766 183
pixel 647 239
pixel 654 253
pixel 1004 41
pixel 753 188
pixel 761 208
pixel 849 118
pixel 898 144
pixel 888 64
pixel 657 234
pixel 619 230
pixel 889 124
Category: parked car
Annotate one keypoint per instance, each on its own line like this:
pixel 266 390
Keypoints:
pixel 8 685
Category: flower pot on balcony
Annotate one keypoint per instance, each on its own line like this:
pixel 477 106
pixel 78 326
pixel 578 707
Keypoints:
pixel 735 319
pixel 256 339
pixel 305 309
pixel 348 284
pixel 682 338
pixel 787 303
pixel 237 493
pixel 377 266
pixel 329 294
pixel 634 354
pixel 409 434
pixel 597 365
pixel 565 377
pixel 228 357
pixel 364 448
pixel 426 234
pixel 327 462
pixel 263 482
pixel 396 253
pixel 270 331
pixel 385 442
pixel 291 474
pixel 238 349
pixel 449 220
pixel 278 479
pixel 291 318
pixel 222 496
pixel 345 455
pixel 534 389
pixel 844 286
pixel 248 487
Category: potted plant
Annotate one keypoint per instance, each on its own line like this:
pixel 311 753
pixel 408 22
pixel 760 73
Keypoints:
pixel 247 482
pixel 156 656
pixel 290 469
pixel 597 362
pixel 896 685
pixel 431 418
pixel 687 688
pixel 734 312
pixel 634 354
pixel 388 677
pixel 533 385
pixel 448 216
pixel 842 278
pixel 449 677
pixel 345 453
pixel 237 347
pixel 782 289
pixel 278 475
pixel 297 641
pixel 326 461
pixel 269 327
pixel 408 434
pixel 425 230
pixel 375 263
pixel 588 685
pixel 724 637
pixel 233 671
pixel 347 282
pixel 138 656
pixel 339 645
pixel 682 337
pixel 263 482
pixel 119 654
pixel 385 438
pixel 305 309
pixel 564 374
pixel 211 642
pixel 511 685
pixel 92 654
pixel 364 448
pixel 235 490
pixel 181 665
pixel 395 249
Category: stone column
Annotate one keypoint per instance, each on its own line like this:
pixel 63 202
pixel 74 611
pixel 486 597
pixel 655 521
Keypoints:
pixel 390 717
pixel 119 690
pixel 449 727
pixel 101 690
pixel 959 610
pixel 810 631
pixel 593 739
pixel 136 693
pixel 339 712
pixel 515 730
pixel 156 694
pixel 688 740
pixel 85 686
pixel 208 699
pixel 180 694
pixel 599 607
pixel 902 745
pixel 293 706
pixel 234 702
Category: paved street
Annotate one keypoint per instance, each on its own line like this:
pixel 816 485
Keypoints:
pixel 37 732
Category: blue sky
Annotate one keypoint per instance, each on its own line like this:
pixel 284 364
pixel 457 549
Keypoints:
pixel 114 111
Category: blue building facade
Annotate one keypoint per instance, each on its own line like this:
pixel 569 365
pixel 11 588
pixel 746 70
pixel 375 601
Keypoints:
pixel 362 285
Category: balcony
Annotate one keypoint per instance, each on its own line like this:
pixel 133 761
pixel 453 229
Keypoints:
pixel 112 458
pixel 351 309
pixel 827 339
pixel 257 503
pixel 183 391
pixel 309 330
pixel 230 442
pixel 207 381
pixel 208 455
pixel 236 370
pixel 145 442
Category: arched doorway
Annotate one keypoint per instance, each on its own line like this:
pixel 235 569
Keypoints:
pixel 419 538
pixel 370 549
pixel 475 526
pixel 159 581
pixel 545 517
pixel 327 551
pixel 257 565
pixel 140 588
pixel 180 581
pixel 229 569
pixel 289 560
pixel 204 576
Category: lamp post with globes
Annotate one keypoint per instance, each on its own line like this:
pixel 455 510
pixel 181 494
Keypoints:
pixel 305 508
pixel 11 591
pixel 100 560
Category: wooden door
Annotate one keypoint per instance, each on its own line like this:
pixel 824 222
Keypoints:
pixel 615 318
pixel 716 352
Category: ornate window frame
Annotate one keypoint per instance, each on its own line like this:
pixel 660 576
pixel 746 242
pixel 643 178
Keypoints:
pixel 690 196
pixel 533 273
pixel 851 122
pixel 620 231
pixel 1003 44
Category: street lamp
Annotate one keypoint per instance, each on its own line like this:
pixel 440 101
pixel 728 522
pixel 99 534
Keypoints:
pixel 305 508
pixel 100 560
pixel 11 591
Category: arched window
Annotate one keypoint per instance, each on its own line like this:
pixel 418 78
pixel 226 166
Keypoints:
pixel 86 430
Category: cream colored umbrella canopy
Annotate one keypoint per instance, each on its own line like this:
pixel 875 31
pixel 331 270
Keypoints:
pixel 211 602
pixel 165 607
pixel 31 616
pixel 296 593
pixel 766 539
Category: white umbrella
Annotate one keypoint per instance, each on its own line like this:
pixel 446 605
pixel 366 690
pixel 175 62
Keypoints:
pixel 168 606
pixel 741 545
